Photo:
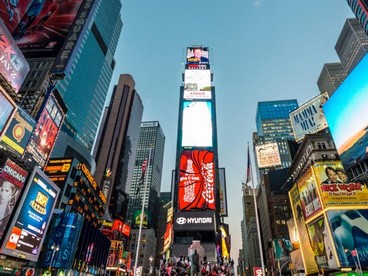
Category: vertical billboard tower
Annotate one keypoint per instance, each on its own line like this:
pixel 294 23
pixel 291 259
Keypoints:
pixel 196 202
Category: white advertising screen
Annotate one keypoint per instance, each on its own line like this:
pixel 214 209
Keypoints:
pixel 197 84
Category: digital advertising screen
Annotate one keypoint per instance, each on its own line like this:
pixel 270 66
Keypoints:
pixel 196 180
pixel 309 118
pixel 121 227
pixel 19 131
pixel 282 248
pixel 147 219
pixel 31 220
pixel 197 55
pixel 350 235
pixel 309 198
pixel 8 109
pixel 343 113
pixel 268 155
pixel 43 138
pixel 13 66
pixel 57 170
pixel 197 84
pixel 12 181
pixel 335 187
pixel 197 128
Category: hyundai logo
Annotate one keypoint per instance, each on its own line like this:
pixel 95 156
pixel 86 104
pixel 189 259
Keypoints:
pixel 181 220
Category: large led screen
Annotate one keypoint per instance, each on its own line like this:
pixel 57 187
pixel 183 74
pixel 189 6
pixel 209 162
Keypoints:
pixel 13 66
pixel 309 118
pixel 346 118
pixel 42 28
pixel 19 131
pixel 197 55
pixel 268 155
pixel 197 84
pixel 29 225
pixel 196 180
pixel 12 181
pixel 350 235
pixel 45 133
pixel 7 110
pixel 197 124
pixel 147 219
pixel 335 187
pixel 282 249
pixel 58 169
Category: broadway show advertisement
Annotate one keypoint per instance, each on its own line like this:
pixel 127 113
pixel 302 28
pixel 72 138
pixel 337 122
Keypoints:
pixel 7 111
pixel 309 198
pixel 197 84
pixel 343 112
pixel 197 55
pixel 321 243
pixel 12 181
pixel 13 66
pixel 29 225
pixel 196 180
pixel 335 187
pixel 307 251
pixel 309 118
pixel 350 235
pixel 268 155
pixel 19 131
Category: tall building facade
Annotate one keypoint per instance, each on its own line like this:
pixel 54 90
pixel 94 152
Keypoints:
pixel 117 150
pixel 331 76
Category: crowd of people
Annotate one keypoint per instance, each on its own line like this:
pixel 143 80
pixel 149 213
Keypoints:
pixel 186 266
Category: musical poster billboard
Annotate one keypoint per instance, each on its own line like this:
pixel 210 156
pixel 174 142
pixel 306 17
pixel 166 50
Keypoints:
pixel 309 118
pixel 197 55
pixel 268 155
pixel 196 180
pixel 8 108
pixel 197 84
pixel 31 220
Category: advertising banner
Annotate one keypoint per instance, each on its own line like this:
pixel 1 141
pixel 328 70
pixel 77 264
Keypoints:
pixel 257 271
pixel 282 249
pixel 196 180
pixel 121 227
pixel 13 66
pixel 8 109
pixel 335 187
pixel 189 221
pixel 197 124
pixel 343 113
pixel 29 225
pixel 12 181
pixel 147 219
pixel 19 131
pixel 197 84
pixel 305 246
pixel 168 235
pixel 350 235
pixel 197 55
pixel 57 170
pixel 268 155
pixel 309 118
pixel 310 200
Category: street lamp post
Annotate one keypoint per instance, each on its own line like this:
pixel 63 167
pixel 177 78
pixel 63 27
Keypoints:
pixel 55 248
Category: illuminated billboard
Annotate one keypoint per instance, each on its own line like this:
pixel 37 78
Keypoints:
pixel 309 118
pixel 360 9
pixel 13 66
pixel 268 155
pixel 147 218
pixel 30 222
pixel 343 112
pixel 43 138
pixel 19 131
pixel 196 180
pixel 197 84
pixel 44 26
pixel 282 248
pixel 12 181
pixel 58 169
pixel 8 109
pixel 309 199
pixel 350 235
pixel 197 55
pixel 335 187
pixel 197 124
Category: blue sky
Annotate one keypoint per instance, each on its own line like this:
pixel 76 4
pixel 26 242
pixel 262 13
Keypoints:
pixel 259 50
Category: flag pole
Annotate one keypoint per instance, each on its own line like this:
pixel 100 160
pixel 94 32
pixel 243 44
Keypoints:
pixel 142 212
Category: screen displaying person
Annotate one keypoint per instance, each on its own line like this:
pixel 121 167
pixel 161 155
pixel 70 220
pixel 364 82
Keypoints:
pixel 8 197
pixel 197 57
pixel 332 176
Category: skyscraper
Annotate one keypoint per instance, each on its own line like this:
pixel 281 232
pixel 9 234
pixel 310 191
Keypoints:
pixel 331 76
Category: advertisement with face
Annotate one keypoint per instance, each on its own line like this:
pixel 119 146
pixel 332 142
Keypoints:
pixel 309 198
pixel 335 187
pixel 343 112
pixel 197 84
pixel 350 235
pixel 196 180
pixel 19 131
pixel 29 225
pixel 309 118
pixel 197 124
pixel 7 111
pixel 305 246
pixel 12 180
pixel 197 55
pixel 268 155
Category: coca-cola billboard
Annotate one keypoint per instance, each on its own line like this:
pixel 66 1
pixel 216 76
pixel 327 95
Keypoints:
pixel 196 180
